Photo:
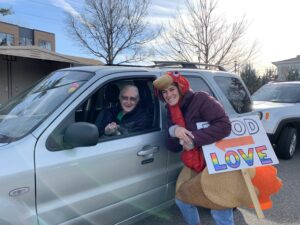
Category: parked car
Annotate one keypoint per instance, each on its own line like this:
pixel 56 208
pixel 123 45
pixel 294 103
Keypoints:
pixel 279 103
pixel 55 169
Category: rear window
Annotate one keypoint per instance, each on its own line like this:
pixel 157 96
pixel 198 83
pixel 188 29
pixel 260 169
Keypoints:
pixel 235 92
pixel 198 84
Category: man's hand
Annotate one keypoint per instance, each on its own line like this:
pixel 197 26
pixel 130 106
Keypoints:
pixel 111 128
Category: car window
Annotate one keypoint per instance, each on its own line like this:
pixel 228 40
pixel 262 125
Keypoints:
pixel 141 106
pixel 22 114
pixel 198 84
pixel 235 93
pixel 103 108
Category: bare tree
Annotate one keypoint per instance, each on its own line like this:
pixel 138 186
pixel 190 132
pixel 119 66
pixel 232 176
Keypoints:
pixel 114 30
pixel 203 35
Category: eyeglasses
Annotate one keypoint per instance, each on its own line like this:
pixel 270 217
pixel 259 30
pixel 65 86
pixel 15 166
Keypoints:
pixel 128 98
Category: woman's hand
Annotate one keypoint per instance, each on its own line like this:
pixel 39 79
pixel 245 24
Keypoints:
pixel 187 146
pixel 185 135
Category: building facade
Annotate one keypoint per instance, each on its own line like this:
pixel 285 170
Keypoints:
pixel 287 67
pixel 13 35
pixel 22 66
pixel 28 55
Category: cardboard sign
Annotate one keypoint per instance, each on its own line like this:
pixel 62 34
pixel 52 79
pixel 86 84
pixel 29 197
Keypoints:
pixel 247 146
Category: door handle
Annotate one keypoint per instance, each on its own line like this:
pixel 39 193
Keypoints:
pixel 148 150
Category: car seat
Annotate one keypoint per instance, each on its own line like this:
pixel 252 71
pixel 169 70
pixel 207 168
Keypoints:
pixel 146 99
pixel 110 100
pixel 111 96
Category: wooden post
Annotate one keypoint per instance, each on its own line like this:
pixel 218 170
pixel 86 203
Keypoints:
pixel 252 193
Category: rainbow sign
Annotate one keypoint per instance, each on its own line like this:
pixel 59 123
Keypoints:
pixel 247 146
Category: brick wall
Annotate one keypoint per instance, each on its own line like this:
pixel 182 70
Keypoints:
pixel 10 29
pixel 44 36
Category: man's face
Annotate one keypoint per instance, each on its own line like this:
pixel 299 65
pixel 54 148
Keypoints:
pixel 129 99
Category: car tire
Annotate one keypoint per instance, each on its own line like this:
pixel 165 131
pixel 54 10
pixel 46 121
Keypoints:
pixel 287 143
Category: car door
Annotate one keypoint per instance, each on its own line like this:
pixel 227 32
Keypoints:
pixel 116 179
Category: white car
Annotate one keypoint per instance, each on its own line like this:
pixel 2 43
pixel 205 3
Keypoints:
pixel 279 104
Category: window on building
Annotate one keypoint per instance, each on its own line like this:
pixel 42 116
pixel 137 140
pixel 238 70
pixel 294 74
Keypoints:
pixel 6 39
pixel 23 41
pixel 45 44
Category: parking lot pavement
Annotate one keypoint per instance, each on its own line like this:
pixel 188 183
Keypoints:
pixel 286 204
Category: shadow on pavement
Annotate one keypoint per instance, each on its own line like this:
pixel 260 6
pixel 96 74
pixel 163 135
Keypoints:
pixel 172 216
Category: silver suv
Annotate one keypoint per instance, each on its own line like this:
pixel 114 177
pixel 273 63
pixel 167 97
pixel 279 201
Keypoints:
pixel 55 169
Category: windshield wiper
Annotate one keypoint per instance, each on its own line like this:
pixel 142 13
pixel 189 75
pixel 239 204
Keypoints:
pixel 5 139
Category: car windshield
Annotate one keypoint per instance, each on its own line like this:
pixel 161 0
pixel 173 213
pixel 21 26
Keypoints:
pixel 25 112
pixel 278 92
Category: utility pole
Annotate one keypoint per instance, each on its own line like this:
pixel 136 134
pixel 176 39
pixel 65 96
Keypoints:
pixel 235 66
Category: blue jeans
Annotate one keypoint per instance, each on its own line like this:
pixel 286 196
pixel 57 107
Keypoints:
pixel 191 215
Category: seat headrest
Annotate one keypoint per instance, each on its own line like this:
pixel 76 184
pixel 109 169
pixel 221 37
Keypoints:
pixel 111 93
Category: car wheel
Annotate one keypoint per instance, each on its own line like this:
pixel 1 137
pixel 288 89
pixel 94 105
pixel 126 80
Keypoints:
pixel 287 143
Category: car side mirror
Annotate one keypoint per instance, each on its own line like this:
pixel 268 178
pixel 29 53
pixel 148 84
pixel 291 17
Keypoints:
pixel 81 134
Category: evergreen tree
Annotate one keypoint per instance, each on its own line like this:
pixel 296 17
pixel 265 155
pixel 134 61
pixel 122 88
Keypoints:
pixel 269 75
pixel 248 74
pixel 293 75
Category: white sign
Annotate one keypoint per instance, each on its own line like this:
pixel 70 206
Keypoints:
pixel 247 146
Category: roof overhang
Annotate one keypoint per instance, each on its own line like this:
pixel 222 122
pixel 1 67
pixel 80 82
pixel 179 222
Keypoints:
pixel 288 61
pixel 34 52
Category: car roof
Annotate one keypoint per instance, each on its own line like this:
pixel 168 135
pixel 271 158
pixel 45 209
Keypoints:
pixel 96 69
pixel 284 82
pixel 100 70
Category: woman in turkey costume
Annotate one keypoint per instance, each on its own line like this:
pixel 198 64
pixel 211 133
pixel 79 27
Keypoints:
pixel 185 109
pixel 195 187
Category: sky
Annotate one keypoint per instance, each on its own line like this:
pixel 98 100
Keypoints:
pixel 274 24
